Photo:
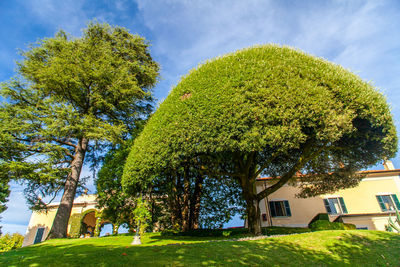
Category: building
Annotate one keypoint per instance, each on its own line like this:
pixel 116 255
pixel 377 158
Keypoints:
pixel 368 206
pixel 82 214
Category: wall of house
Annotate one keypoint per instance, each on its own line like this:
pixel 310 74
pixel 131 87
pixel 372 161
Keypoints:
pixel 45 220
pixel 39 220
pixel 370 222
pixel 358 200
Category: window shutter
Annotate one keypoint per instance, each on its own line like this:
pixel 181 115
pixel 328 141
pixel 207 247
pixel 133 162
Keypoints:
pixel 396 201
pixel 327 207
pixel 380 201
pixel 39 235
pixel 287 207
pixel 342 205
pixel 272 209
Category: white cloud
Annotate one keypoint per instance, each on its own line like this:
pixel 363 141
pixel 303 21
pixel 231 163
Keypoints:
pixel 356 34
pixel 67 15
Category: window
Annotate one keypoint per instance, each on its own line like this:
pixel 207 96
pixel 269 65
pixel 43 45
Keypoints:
pixel 280 208
pixel 335 205
pixel 39 235
pixel 388 202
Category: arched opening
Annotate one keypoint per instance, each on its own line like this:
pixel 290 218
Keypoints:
pixel 106 229
pixel 123 229
pixel 88 223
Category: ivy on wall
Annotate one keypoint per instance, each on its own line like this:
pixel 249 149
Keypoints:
pixel 75 221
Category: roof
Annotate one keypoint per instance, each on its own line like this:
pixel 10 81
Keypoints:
pixel 82 200
pixel 369 172
pixel 383 214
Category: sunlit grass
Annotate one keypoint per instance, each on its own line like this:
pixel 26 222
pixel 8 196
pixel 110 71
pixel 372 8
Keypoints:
pixel 325 248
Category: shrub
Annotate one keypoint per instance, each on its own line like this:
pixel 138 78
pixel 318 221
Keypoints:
pixel 276 230
pixel 232 232
pixel 327 225
pixel 349 226
pixel 9 242
pixel 207 232
pixel 319 216
pixel 394 225
pixel 226 233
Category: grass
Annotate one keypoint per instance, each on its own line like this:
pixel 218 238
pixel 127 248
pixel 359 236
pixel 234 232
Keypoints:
pixel 323 248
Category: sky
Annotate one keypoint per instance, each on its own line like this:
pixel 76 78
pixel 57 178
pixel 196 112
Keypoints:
pixel 362 36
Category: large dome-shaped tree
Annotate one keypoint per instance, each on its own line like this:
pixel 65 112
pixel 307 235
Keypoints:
pixel 267 110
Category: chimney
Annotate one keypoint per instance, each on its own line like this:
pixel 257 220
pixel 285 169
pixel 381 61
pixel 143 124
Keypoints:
pixel 388 165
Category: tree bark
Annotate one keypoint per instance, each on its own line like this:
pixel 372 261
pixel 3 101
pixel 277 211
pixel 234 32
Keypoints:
pixel 60 223
pixel 252 208
pixel 186 198
pixel 247 167
pixel 175 202
pixel 115 229
pixel 195 203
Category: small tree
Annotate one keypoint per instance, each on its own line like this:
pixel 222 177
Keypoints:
pixel 272 111
pixel 394 225
pixel 71 97
pixel 116 205
pixel 141 215
pixel 9 242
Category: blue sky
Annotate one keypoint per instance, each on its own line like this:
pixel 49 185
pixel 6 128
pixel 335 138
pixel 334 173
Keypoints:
pixel 362 36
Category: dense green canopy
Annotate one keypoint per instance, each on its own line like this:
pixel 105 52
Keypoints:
pixel 267 110
pixel 69 98
pixel 267 96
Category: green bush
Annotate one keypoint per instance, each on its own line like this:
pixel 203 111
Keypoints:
pixel 232 232
pixel 276 230
pixel 319 217
pixel 394 225
pixel 349 226
pixel 327 225
pixel 9 242
pixel 207 232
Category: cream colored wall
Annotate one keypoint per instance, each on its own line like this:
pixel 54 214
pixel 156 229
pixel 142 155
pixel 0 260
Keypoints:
pixel 372 222
pixel 303 210
pixel 361 199
pixel 41 219
pixel 38 219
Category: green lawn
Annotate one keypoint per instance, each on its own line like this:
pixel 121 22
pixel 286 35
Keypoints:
pixel 324 248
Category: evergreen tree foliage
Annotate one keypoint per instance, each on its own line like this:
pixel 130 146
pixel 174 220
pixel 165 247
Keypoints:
pixel 71 97
pixel 117 206
pixel 272 111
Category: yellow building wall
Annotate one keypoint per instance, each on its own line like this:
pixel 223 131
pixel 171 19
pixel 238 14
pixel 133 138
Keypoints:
pixel 358 200
pixel 45 220
pixel 38 220
pixel 362 199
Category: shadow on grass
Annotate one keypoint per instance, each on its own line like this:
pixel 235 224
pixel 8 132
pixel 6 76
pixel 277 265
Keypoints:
pixel 336 248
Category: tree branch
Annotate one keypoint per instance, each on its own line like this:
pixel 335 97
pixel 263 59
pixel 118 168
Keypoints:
pixel 265 165
pixel 306 156
pixel 63 142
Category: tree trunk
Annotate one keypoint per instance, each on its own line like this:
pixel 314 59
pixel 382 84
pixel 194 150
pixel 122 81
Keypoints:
pixel 253 215
pixel 60 223
pixel 252 204
pixel 115 228
pixel 186 198
pixel 174 202
pixel 195 203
